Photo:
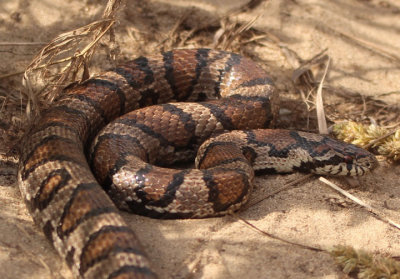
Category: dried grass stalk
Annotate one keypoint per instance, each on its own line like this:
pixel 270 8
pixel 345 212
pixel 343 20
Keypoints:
pixel 73 50
pixel 319 105
pixel 231 31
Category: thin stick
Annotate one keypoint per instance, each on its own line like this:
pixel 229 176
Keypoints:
pixel 277 237
pixel 371 143
pixel 11 74
pixel 319 104
pixel 375 212
pixel 286 186
pixel 22 43
pixel 376 48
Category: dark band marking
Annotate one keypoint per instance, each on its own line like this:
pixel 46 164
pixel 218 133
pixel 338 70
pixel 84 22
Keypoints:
pixel 257 81
pixel 52 158
pixel 145 129
pixel 246 99
pixel 234 59
pixel 69 113
pixel 45 141
pixel 75 118
pixel 109 250
pixel 122 100
pixel 55 181
pixel 184 117
pixel 69 257
pixel 128 76
pixel 210 178
pixel 95 105
pixel 212 187
pixel 210 147
pixel 68 209
pixel 118 137
pixel 168 58
pixel 120 240
pixel 143 64
pixel 219 114
pixel 112 86
pixel 220 164
pixel 141 176
pixel 169 194
pixel 92 213
pixel 133 270
pixel 149 97
pixel 55 124
pixel 265 171
pixel 202 61
pixel 48 228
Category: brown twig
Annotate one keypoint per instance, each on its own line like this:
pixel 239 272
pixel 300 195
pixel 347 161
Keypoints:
pixel 247 223
pixel 22 43
pixel 375 212
pixel 373 142
pixel 286 186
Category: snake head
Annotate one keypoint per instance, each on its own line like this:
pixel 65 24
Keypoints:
pixel 345 159
pixel 360 163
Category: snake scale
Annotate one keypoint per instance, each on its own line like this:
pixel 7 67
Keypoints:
pixel 222 91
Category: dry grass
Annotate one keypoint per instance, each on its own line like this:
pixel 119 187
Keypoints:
pixel 383 140
pixel 365 265
pixel 44 79
pixel 65 59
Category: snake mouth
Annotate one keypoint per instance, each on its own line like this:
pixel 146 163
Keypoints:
pixel 362 166
pixel 349 167
pixel 367 163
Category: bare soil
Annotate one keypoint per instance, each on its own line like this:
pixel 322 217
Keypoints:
pixel 362 39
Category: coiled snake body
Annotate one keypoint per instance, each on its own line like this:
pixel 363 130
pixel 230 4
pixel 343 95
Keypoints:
pixel 80 219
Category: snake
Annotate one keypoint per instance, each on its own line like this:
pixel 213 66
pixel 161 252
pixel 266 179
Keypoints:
pixel 105 144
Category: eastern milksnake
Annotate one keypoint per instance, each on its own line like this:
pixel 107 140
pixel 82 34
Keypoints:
pixel 80 219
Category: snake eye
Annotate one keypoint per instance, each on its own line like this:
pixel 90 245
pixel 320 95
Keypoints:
pixel 348 159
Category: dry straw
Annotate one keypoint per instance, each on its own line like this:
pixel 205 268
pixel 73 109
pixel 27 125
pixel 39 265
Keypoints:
pixel 73 51
pixel 384 140
pixel 363 265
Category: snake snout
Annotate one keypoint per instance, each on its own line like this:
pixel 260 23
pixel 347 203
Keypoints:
pixel 368 162
pixel 360 164
pixel 348 160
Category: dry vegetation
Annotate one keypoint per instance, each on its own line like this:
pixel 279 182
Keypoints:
pixel 67 58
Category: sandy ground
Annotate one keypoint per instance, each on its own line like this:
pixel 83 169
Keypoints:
pixel 362 39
